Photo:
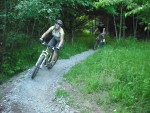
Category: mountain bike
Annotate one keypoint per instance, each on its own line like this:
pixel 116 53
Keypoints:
pixel 98 42
pixel 44 60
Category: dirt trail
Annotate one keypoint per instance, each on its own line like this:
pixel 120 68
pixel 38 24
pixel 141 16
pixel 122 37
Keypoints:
pixel 23 95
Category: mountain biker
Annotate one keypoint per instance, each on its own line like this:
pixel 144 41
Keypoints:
pixel 57 38
pixel 102 31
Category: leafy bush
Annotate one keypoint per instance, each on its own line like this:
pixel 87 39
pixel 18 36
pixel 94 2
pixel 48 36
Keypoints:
pixel 20 53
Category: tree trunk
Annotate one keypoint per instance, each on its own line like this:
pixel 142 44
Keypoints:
pixel 120 26
pixel 124 26
pixel 133 26
pixel 72 39
pixel 135 22
pixel 92 29
pixel 27 29
pixel 135 32
pixel 95 24
pixel 33 26
pixel 3 33
pixel 5 18
pixel 148 34
pixel 71 31
pixel 107 25
pixel 116 32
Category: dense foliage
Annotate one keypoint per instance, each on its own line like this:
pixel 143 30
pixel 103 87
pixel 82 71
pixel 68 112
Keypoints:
pixel 24 21
pixel 127 16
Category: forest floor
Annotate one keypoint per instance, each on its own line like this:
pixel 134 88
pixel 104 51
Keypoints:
pixel 21 94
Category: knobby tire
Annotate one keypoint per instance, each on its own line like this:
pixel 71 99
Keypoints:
pixel 36 68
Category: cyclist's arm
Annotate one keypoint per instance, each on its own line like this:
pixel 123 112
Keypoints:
pixel 95 30
pixel 47 32
pixel 103 31
pixel 61 40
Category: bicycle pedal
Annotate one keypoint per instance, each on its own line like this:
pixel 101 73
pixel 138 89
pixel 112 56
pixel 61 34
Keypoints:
pixel 49 66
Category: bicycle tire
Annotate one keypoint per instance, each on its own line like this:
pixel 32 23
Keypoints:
pixel 36 68
pixel 96 44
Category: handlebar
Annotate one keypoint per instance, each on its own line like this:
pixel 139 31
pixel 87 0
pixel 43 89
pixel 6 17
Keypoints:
pixel 41 40
pixel 44 43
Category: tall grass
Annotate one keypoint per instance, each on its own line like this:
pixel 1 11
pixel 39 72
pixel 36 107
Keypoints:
pixel 121 70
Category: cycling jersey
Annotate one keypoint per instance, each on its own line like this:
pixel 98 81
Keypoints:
pixel 56 33
pixel 100 28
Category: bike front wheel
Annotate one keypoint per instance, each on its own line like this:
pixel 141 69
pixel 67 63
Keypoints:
pixel 37 66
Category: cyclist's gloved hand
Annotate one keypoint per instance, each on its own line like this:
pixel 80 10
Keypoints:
pixel 52 47
pixel 41 39
pixel 57 47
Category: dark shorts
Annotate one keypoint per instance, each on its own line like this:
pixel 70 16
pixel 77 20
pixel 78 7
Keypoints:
pixel 53 43
pixel 101 36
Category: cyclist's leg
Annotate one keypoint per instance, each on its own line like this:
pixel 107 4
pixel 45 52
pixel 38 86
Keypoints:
pixel 56 51
pixel 52 43
pixel 98 37
pixel 103 39
pixel 97 42
pixel 55 55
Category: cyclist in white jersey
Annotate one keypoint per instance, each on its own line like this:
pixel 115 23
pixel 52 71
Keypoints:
pixel 57 38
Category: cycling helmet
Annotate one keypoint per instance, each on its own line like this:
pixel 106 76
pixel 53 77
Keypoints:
pixel 101 23
pixel 59 22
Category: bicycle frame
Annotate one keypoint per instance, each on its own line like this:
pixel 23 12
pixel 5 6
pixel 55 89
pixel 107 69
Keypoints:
pixel 99 37
pixel 44 58
pixel 44 53
pixel 97 41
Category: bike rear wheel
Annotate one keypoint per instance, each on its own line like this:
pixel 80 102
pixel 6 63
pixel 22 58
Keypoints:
pixel 36 68
pixel 96 44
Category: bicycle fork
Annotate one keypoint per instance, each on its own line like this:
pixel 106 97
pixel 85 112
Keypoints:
pixel 45 54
